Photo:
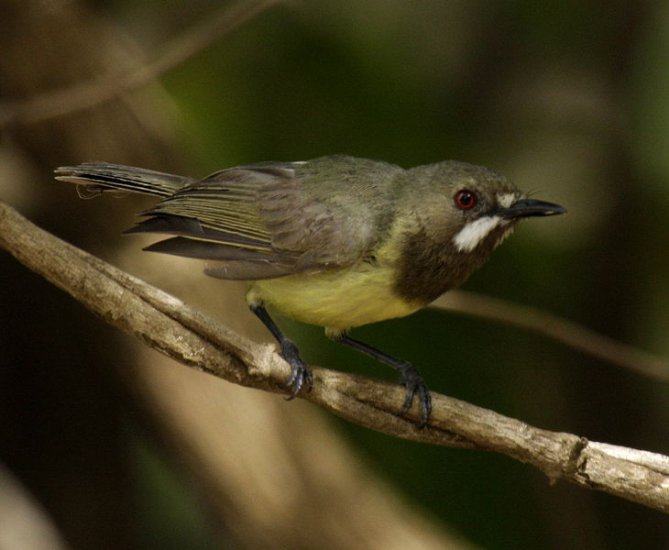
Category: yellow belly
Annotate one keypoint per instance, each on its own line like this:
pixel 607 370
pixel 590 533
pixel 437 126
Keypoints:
pixel 336 299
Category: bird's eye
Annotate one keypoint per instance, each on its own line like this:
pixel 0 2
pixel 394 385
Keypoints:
pixel 465 199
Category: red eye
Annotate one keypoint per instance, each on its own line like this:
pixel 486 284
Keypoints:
pixel 465 199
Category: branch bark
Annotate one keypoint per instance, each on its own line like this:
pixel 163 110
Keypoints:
pixel 168 325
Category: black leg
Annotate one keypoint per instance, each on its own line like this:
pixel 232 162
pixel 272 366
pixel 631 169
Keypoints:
pixel 300 375
pixel 410 376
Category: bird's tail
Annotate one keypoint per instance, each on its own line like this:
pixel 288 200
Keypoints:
pixel 93 178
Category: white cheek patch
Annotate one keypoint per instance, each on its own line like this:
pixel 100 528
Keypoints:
pixel 471 235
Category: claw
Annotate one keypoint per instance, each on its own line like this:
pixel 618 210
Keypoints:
pixel 411 378
pixel 413 381
pixel 300 375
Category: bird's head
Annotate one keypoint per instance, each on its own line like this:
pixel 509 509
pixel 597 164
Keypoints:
pixel 461 214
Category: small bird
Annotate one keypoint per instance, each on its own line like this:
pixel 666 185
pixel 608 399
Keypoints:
pixel 336 241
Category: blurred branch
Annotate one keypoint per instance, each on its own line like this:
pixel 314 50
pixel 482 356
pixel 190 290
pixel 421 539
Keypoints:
pixel 108 87
pixel 166 324
pixel 572 334
pixel 25 524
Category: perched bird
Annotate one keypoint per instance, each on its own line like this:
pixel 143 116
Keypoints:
pixel 336 241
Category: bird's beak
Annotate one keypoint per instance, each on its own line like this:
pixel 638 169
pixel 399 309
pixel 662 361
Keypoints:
pixel 526 208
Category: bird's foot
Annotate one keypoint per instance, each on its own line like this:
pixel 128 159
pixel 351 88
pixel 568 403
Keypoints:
pixel 412 379
pixel 300 374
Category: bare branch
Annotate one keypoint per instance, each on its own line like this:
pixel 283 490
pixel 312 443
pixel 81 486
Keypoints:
pixel 25 523
pixel 569 333
pixel 95 92
pixel 168 325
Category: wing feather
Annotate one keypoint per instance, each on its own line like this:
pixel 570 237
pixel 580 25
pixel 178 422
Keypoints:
pixel 264 220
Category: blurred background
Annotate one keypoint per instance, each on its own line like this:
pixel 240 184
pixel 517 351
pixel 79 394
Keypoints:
pixel 118 447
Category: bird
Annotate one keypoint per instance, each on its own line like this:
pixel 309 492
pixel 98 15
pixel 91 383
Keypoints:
pixel 336 241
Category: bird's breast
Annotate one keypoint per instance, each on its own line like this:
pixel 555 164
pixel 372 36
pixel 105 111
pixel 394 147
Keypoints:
pixel 337 299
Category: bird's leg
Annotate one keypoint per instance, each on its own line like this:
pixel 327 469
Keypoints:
pixel 300 375
pixel 410 376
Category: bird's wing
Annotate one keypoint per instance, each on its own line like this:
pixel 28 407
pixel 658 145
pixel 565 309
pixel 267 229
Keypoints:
pixel 260 221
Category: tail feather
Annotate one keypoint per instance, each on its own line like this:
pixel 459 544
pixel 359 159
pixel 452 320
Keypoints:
pixel 97 177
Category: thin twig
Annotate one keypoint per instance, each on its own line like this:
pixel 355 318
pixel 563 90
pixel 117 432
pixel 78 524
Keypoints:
pixel 168 325
pixel 92 93
pixel 572 334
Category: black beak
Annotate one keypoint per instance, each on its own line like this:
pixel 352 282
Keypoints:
pixel 526 208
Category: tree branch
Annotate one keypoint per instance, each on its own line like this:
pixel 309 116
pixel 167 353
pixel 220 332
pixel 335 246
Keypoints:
pixel 92 93
pixel 567 332
pixel 166 324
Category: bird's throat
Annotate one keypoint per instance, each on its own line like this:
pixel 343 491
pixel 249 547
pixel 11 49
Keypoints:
pixel 429 268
